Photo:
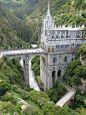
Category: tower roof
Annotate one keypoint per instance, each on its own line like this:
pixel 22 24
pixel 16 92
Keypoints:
pixel 48 10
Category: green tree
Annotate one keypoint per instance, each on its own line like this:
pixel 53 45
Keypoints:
pixel 39 98
pixel 56 92
pixel 81 111
pixel 3 77
pixel 9 98
pixel 78 70
pixel 4 86
pixel 15 87
pixel 32 111
pixel 7 105
pixel 78 102
pixel 84 73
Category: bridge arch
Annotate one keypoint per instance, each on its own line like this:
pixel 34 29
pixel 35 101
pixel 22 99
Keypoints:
pixel 70 101
pixel 26 55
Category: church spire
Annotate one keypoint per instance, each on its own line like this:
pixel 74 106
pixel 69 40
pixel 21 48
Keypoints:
pixel 48 10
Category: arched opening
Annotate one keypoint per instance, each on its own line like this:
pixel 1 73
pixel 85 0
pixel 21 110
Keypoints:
pixel 72 59
pixel 54 60
pixel 66 46
pixel 65 59
pixel 53 77
pixel 59 74
pixel 70 102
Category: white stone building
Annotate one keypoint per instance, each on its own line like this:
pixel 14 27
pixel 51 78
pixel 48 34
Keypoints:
pixel 59 43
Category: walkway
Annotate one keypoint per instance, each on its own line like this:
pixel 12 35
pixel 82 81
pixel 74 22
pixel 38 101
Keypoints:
pixel 67 96
pixel 21 52
pixel 20 100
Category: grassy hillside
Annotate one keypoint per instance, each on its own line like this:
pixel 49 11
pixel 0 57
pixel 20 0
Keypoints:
pixel 21 8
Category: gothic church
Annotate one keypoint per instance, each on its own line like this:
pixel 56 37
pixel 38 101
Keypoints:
pixel 59 44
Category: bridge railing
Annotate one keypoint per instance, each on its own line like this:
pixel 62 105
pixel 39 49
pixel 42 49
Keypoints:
pixel 23 51
pixel 20 49
pixel 58 102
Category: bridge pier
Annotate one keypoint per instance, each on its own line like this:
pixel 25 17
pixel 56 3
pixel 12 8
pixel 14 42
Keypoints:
pixel 26 70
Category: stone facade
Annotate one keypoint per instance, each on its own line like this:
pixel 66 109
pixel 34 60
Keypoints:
pixel 59 43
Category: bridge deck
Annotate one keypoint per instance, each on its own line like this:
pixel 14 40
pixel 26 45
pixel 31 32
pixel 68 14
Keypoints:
pixel 66 98
pixel 22 51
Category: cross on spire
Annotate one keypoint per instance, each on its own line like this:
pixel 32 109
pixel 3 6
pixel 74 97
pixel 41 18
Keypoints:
pixel 48 10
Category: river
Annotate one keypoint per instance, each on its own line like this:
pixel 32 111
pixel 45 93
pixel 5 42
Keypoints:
pixel 32 82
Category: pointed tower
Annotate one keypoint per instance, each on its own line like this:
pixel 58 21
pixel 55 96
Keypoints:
pixel 48 10
pixel 48 23
pixel 47 28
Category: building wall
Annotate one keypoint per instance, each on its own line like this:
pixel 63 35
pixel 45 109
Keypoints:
pixel 51 70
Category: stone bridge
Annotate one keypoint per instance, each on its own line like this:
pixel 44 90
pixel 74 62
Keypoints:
pixel 68 98
pixel 26 55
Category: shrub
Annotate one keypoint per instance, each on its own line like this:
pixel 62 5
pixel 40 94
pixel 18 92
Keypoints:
pixel 7 105
pixel 25 94
pixel 56 92
pixel 9 97
pixel 15 87
pixel 39 98
pixel 4 86
pixel 32 111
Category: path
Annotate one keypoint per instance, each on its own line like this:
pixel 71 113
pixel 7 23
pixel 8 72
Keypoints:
pixel 20 100
pixel 67 96
pixel 66 86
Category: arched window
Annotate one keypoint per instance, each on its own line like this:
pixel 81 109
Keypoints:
pixel 57 46
pixel 67 45
pixel 72 59
pixel 54 60
pixel 62 46
pixel 56 36
pixel 65 59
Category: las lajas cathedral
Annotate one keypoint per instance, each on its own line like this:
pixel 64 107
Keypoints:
pixel 59 44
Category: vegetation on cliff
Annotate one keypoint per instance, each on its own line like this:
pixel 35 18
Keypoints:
pixel 21 8
pixel 8 30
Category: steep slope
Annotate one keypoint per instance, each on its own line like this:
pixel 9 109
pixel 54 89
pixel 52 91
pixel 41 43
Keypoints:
pixel 65 12
pixel 21 8
pixel 62 11
pixel 8 24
